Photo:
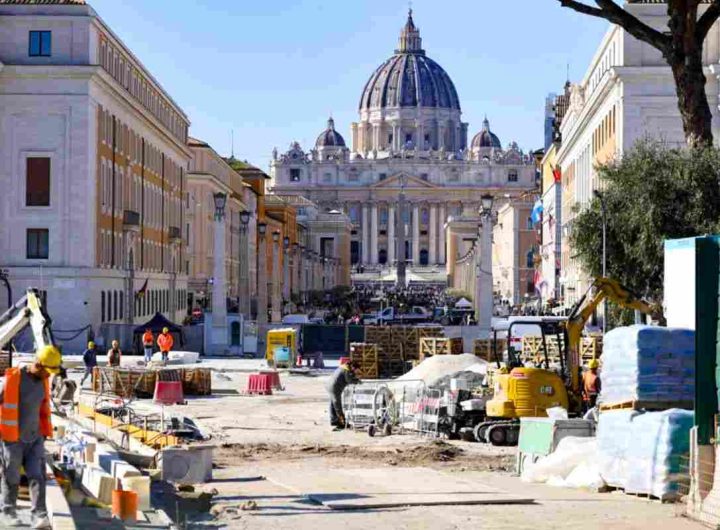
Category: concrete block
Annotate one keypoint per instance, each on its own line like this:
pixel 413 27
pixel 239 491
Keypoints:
pixel 104 459
pixel 121 469
pixel 141 486
pixel 98 483
pixel 190 465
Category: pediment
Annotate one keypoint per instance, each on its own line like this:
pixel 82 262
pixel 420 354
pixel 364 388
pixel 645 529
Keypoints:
pixel 395 182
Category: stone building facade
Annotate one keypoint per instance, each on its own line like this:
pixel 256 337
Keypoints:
pixel 409 139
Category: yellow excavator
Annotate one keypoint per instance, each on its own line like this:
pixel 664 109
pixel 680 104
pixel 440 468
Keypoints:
pixel 521 391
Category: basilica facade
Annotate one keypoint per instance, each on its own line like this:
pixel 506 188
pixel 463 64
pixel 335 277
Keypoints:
pixel 410 140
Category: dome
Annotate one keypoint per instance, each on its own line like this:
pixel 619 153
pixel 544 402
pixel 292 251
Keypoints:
pixel 330 137
pixel 409 78
pixel 486 138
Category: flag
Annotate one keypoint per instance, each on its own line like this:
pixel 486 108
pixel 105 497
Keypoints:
pixel 539 282
pixel 537 211
pixel 557 174
pixel 143 289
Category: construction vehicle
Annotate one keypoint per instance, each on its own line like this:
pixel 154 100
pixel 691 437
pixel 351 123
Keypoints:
pixel 521 391
pixel 28 311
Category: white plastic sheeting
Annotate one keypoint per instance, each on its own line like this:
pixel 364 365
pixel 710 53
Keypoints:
pixel 648 363
pixel 645 452
pixel 555 468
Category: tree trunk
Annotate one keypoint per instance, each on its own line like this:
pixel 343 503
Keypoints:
pixel 693 103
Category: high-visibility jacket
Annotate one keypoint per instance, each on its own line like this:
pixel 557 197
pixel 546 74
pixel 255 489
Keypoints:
pixel 148 338
pixel 10 412
pixel 165 342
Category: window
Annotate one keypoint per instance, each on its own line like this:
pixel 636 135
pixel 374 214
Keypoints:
pixel 327 177
pixel 529 259
pixel 102 306
pixel 383 216
pixel 424 176
pixel 382 176
pixel 295 175
pixel 40 44
pixel 37 243
pixel 37 181
pixel 512 175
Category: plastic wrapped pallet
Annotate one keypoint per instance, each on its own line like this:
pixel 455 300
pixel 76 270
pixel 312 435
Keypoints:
pixel 649 364
pixel 645 452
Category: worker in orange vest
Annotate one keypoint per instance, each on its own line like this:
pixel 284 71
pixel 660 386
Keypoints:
pixel 148 340
pixel 24 425
pixel 165 343
pixel 591 384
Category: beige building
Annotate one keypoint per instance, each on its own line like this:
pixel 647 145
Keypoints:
pixel 209 174
pixel 515 251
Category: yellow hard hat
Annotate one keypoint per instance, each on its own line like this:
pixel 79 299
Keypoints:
pixel 91 345
pixel 594 363
pixel 166 330
pixel 50 358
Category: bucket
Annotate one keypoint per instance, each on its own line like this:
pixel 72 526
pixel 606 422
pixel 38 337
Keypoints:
pixel 125 505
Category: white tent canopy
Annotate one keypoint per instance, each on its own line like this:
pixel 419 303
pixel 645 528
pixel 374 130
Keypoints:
pixel 463 303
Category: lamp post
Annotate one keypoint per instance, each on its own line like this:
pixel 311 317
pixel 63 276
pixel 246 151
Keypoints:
pixel 244 290
pixel 275 292
pixel 603 212
pixel 286 270
pixel 295 284
pixel 484 299
pixel 262 275
pixel 401 235
pixel 218 337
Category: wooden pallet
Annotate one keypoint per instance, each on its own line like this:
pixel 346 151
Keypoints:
pixel 444 346
pixel 646 405
pixel 366 356
pixel 483 348
pixel 591 347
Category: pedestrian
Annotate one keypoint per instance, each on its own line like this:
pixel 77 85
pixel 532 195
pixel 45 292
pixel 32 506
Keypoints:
pixel 114 354
pixel 148 340
pixel 343 376
pixel 591 384
pixel 25 415
pixel 90 361
pixel 165 343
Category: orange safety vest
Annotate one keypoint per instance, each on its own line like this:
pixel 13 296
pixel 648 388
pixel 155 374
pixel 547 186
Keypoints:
pixel 147 338
pixel 165 342
pixel 10 414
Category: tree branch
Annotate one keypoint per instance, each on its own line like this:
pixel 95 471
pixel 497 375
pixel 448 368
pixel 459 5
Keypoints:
pixel 612 12
pixel 707 20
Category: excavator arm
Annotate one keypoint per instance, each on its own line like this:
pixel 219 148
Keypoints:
pixel 28 311
pixel 601 289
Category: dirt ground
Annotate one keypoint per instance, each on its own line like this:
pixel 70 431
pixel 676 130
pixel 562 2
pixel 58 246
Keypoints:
pixel 262 442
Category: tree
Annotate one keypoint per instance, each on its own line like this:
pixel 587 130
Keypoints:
pixel 682 48
pixel 651 194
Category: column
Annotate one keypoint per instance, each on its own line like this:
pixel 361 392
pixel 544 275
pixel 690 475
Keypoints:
pixel 373 234
pixel 441 137
pixel 420 143
pixel 218 337
pixel 416 235
pixel 244 294
pixel 484 294
pixel 432 234
pixel 376 137
pixel 391 234
pixel 276 301
pixel 286 274
pixel 442 257
pixel 365 250
pixel 396 136
pixel 262 294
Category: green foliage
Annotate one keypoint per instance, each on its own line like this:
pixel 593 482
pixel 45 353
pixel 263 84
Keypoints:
pixel 652 194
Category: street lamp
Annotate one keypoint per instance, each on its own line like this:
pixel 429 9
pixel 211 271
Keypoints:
pixel 276 236
pixel 220 199
pixel 484 298
pixel 486 201
pixel 286 242
pixel 244 291
pixel 603 212
pixel 262 229
pixel 262 275
pixel 245 217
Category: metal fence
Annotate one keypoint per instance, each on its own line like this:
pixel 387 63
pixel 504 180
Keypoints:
pixel 393 406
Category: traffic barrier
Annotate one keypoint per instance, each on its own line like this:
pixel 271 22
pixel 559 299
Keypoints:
pixel 168 392
pixel 275 383
pixel 260 384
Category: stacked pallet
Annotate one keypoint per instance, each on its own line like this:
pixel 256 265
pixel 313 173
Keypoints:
pixel 430 346
pixel 366 356
pixel 412 351
pixel 532 348
pixel 591 347
pixel 127 383
pixel 196 381
pixel 118 381
pixel 483 348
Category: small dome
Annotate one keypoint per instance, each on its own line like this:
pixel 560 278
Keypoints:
pixel 486 138
pixel 330 137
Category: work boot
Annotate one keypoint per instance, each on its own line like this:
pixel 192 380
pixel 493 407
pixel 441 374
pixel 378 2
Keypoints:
pixel 41 522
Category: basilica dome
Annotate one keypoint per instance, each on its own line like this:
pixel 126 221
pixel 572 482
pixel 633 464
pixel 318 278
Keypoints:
pixel 486 138
pixel 330 137
pixel 409 78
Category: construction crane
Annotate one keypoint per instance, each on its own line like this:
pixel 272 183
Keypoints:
pixel 521 391
pixel 28 311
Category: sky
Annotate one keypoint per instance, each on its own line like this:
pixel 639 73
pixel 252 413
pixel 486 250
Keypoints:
pixel 271 72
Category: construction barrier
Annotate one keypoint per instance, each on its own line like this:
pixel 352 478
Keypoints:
pixel 259 384
pixel 168 393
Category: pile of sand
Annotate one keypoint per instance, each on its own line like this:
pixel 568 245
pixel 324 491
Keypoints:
pixel 438 366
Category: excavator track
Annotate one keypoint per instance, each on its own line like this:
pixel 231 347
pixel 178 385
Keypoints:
pixel 498 432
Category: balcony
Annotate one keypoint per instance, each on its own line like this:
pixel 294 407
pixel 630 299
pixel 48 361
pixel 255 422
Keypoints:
pixel 174 234
pixel 131 220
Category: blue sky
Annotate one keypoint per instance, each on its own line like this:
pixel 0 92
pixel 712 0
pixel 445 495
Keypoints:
pixel 273 71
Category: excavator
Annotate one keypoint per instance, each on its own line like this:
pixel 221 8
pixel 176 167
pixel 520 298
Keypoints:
pixel 521 391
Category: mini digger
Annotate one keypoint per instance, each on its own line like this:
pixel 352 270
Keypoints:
pixel 521 391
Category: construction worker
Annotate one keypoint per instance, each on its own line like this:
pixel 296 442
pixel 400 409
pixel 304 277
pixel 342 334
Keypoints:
pixel 90 361
pixel 148 340
pixel 165 343
pixel 591 384
pixel 24 425
pixel 344 375
pixel 114 354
